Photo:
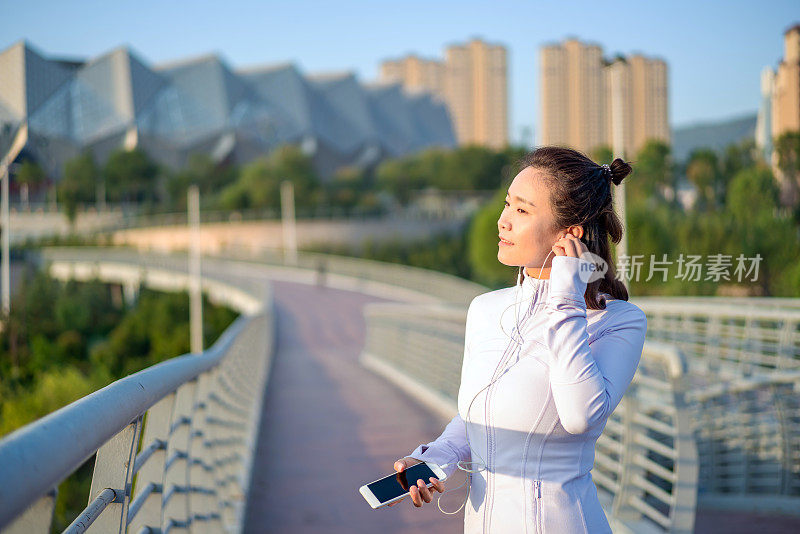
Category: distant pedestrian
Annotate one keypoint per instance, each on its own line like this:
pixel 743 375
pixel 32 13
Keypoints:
pixel 321 268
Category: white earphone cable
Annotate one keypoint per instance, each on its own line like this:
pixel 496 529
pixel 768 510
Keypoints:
pixel 519 341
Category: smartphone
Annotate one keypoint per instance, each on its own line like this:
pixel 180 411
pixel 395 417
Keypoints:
pixel 394 487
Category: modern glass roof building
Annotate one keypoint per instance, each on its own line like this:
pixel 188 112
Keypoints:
pixel 202 105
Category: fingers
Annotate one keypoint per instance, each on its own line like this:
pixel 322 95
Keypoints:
pixel 424 490
pixel 413 492
pixel 569 245
pixel 438 484
pixel 419 493
pixel 397 501
pixel 570 248
pixel 405 463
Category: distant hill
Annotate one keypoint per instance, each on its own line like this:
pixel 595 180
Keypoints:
pixel 715 135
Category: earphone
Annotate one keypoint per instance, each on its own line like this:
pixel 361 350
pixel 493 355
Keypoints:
pixel 462 464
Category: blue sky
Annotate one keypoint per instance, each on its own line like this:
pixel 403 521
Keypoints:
pixel 715 49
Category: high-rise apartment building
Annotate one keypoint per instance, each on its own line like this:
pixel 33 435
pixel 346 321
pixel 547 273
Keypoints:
pixel 416 74
pixel 786 90
pixel 572 92
pixel 473 82
pixel 588 101
pixel 764 119
pixel 785 103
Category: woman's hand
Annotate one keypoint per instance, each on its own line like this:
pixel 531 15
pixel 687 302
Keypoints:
pixel 420 492
pixel 569 245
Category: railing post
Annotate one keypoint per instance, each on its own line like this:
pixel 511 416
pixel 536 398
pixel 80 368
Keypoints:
pixel 687 464
pixel 629 469
pixel 37 518
pixel 786 356
pixel 713 346
pixel 113 469
pixel 214 448
pixel 156 429
pixel 175 509
pixel 202 508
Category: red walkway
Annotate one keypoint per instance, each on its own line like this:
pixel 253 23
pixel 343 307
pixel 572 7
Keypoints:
pixel 330 425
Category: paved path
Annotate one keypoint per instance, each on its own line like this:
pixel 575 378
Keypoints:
pixel 729 522
pixel 330 425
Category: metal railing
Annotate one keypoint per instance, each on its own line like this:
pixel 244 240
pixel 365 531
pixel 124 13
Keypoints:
pixel 748 440
pixel 729 341
pixel 419 285
pixel 646 460
pixel 174 442
pixel 426 284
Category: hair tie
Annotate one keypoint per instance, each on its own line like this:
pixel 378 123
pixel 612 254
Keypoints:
pixel 607 170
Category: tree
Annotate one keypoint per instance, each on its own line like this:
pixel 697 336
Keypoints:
pixel 344 190
pixel 130 176
pixel 79 183
pixel 753 193
pixel 482 245
pixel 702 170
pixel 738 156
pixel 471 167
pixel 258 185
pixel 752 203
pixel 30 177
pixel 210 178
pixel 602 154
pixel 787 149
pixel 654 174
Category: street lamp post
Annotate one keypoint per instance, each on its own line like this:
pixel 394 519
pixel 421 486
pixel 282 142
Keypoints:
pixel 618 142
pixel 288 223
pixel 195 282
pixel 20 139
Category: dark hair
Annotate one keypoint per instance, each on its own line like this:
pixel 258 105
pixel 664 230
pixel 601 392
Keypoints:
pixel 580 195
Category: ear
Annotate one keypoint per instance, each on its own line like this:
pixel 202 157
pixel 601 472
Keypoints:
pixel 577 231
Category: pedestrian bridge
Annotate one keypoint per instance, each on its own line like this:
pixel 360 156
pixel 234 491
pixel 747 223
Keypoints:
pixel 337 366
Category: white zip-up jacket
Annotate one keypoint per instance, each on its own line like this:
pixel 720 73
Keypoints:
pixel 536 426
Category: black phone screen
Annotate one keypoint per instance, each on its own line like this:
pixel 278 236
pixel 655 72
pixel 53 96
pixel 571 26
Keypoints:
pixel 397 484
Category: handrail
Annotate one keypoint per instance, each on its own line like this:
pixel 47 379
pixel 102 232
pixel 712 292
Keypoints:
pixel 22 452
pixel 196 416
pixel 728 341
pixel 419 284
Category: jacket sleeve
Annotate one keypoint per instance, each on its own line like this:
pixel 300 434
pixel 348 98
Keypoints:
pixel 451 446
pixel 448 449
pixel 587 379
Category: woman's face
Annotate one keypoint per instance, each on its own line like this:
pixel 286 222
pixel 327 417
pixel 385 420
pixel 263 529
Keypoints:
pixel 527 221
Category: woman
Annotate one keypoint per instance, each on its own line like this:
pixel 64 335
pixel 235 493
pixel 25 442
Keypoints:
pixel 528 442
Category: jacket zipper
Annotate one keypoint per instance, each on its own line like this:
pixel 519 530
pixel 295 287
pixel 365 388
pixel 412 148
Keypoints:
pixel 537 493
pixel 489 502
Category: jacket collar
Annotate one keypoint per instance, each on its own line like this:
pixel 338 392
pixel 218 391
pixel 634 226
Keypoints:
pixel 533 290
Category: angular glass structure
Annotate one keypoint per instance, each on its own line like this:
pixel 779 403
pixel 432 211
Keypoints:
pixel 202 105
